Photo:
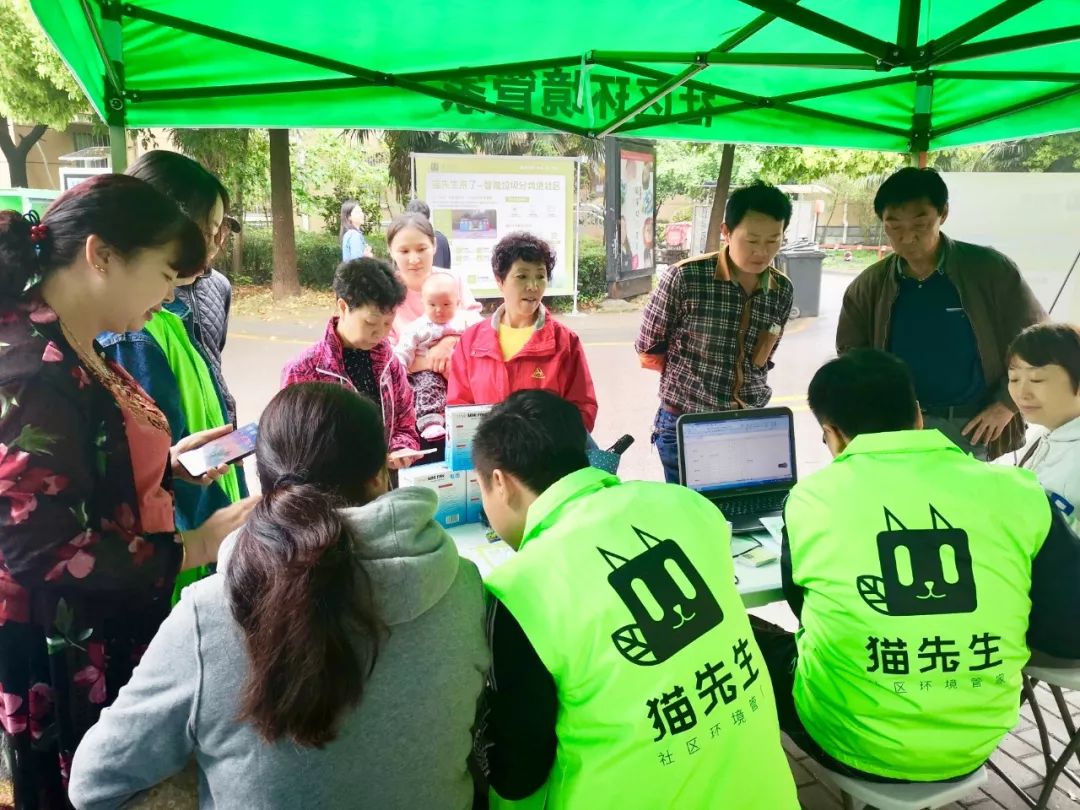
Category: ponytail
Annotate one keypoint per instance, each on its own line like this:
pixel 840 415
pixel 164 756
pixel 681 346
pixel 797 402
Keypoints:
pixel 305 607
pixel 18 258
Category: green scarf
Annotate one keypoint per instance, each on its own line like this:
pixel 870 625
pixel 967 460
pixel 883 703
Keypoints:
pixel 198 400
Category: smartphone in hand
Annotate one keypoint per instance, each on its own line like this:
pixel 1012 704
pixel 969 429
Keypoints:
pixel 229 448
pixel 407 452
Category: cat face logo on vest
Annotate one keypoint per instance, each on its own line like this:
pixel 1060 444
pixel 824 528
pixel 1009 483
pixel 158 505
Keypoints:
pixel 667 598
pixel 924 572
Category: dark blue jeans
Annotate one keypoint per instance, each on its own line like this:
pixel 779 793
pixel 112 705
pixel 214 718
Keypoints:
pixel 663 437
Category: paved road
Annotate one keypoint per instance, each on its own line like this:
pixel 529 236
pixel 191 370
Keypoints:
pixel 257 350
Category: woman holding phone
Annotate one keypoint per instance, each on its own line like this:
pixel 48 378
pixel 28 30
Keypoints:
pixel 355 353
pixel 336 659
pixel 165 356
pixel 89 544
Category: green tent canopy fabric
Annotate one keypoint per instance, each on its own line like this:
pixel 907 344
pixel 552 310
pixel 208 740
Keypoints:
pixel 897 75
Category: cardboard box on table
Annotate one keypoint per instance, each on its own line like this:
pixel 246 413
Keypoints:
pixel 448 485
pixel 461 424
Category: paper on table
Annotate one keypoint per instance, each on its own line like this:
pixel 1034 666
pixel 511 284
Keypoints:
pixel 775 527
pixel 742 543
pixel 488 557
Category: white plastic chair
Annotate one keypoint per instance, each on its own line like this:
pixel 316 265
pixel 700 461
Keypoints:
pixel 859 793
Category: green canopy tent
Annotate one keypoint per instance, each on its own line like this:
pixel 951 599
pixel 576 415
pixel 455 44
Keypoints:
pixel 897 75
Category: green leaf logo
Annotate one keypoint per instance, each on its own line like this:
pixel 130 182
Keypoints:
pixel 872 590
pixel 630 641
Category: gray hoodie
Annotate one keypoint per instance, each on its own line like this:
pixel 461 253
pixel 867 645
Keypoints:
pixel 404 746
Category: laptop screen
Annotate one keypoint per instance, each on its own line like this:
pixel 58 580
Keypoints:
pixel 732 454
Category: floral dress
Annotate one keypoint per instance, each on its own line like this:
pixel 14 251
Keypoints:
pixel 83 587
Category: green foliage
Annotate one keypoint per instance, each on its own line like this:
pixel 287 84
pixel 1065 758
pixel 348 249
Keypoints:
pixel 329 208
pixel 1053 153
pixel 858 193
pixel 35 85
pixel 683 169
pixel 592 271
pixel 317 256
pixel 786 164
pixel 331 167
pixel 239 157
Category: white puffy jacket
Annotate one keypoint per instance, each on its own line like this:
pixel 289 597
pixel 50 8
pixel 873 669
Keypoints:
pixel 1055 459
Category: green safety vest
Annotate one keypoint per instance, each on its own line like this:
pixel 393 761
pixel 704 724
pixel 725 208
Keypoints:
pixel 627 593
pixel 199 402
pixel 915 561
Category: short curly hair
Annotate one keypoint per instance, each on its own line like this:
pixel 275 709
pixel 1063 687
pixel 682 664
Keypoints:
pixel 524 246
pixel 368 281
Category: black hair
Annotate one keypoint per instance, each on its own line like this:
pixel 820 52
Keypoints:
pixel 410 219
pixel 1050 344
pixel 346 223
pixel 295 585
pixel 759 197
pixel 124 212
pixel 183 180
pixel 535 435
pixel 910 184
pixel 368 281
pixel 523 246
pixel 418 206
pixel 864 391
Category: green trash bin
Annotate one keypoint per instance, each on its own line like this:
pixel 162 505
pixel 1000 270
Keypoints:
pixel 802 262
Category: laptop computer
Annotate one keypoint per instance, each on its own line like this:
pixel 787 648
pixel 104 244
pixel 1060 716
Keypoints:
pixel 742 461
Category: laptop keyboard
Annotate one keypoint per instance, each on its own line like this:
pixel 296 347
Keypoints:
pixel 753 504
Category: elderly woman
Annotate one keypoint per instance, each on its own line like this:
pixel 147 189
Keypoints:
pixel 521 346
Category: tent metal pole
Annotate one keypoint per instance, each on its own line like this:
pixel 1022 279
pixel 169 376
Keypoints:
pixel 577 229
pixel 110 47
pixel 829 28
pixel 118 148
pixel 840 61
pixel 111 75
pixel 1008 76
pixel 666 88
pixel 936 48
pixel 907 26
pixel 1019 42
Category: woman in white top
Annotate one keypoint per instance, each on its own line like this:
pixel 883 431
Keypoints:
pixel 1044 382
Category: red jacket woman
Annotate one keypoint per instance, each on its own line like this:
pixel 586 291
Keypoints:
pixel 521 346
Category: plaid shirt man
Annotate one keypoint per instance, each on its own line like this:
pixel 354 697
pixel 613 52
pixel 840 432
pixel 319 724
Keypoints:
pixel 711 341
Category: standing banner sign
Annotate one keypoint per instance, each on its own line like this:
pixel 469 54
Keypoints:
pixel 476 200
pixel 630 224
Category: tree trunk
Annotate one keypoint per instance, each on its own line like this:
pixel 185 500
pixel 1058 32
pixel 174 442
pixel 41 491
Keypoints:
pixel 719 203
pixel 286 280
pixel 15 154
pixel 237 267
